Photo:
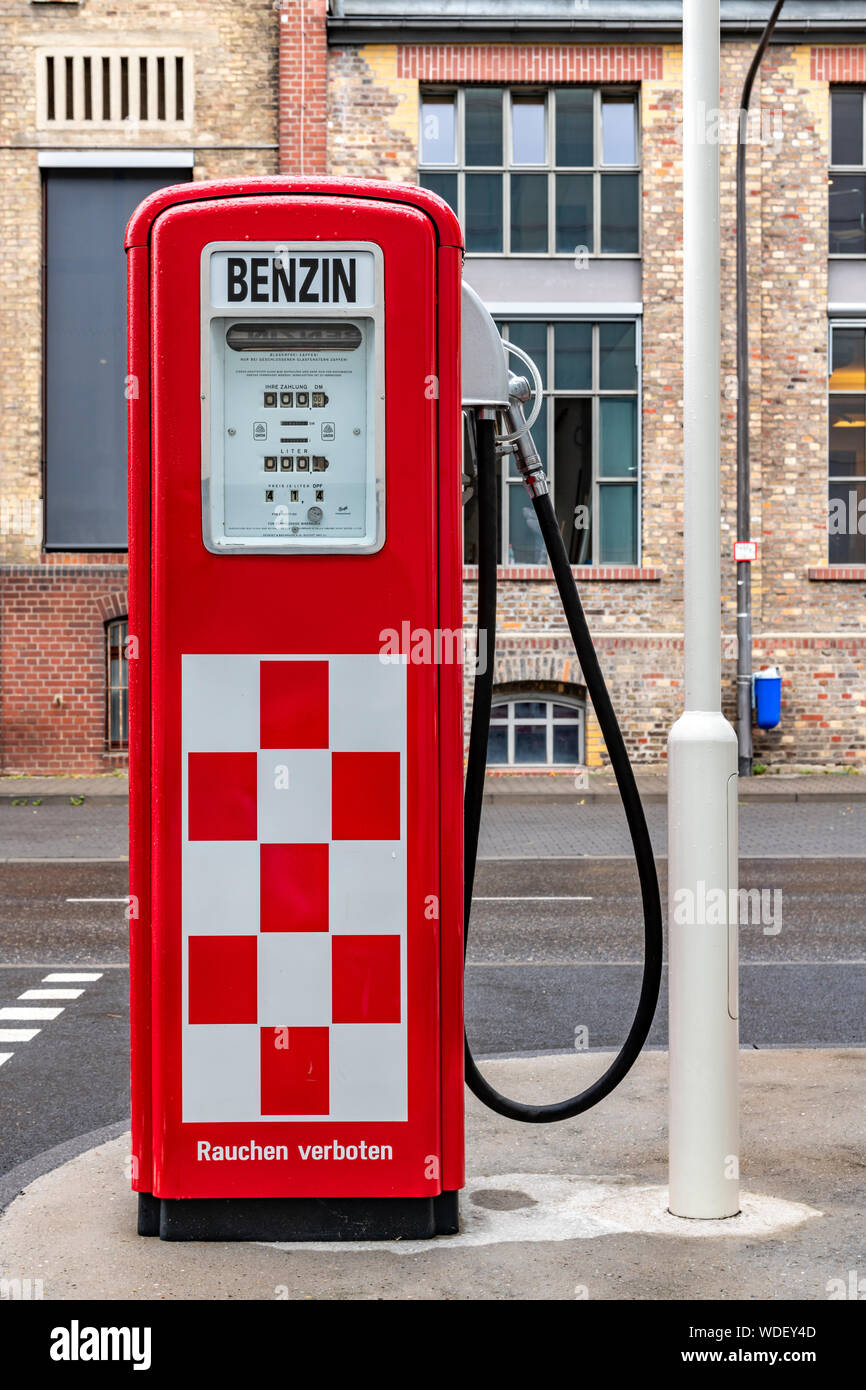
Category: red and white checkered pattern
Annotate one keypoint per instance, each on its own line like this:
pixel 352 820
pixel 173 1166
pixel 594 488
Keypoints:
pixel 294 888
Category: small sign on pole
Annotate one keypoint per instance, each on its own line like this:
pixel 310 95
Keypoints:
pixel 745 550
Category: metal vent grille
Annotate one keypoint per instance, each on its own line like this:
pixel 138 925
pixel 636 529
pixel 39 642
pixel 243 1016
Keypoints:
pixel 114 88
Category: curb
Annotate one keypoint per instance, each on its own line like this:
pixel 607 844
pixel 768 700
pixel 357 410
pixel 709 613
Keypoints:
pixel 534 797
pixel 493 794
pixel 14 1182
pixel 31 802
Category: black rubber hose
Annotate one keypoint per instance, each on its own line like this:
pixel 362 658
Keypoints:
pixel 474 790
pixel 485 645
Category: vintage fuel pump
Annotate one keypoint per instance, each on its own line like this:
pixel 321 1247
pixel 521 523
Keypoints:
pixel 296 779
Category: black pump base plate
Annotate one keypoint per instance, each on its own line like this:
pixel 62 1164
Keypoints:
pixel 297 1218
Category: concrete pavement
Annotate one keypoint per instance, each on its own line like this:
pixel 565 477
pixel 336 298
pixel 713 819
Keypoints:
pixel 558 827
pixel 564 1212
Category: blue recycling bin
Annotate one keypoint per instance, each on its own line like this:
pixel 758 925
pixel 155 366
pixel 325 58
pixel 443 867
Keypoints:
pixel 768 697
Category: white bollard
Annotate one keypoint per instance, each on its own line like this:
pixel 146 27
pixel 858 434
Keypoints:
pixel 702 747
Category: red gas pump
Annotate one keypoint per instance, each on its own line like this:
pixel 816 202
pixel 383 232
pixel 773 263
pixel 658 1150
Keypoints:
pixel 297 1026
pixel 296 694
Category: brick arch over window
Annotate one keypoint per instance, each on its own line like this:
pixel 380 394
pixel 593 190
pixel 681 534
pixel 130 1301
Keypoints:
pixel 539 690
pixel 114 605
pixel 551 668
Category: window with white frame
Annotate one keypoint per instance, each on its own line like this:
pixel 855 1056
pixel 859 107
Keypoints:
pixel 543 731
pixel 536 172
pixel 117 685
pixel 847 172
pixel 588 436
pixel 846 522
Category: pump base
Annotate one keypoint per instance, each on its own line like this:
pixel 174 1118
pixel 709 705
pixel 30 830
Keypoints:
pixel 298 1218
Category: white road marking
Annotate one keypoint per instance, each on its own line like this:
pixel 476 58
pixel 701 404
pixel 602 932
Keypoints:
pixel 25 1011
pixel 67 977
pixel 51 994
pixel 97 900
pixel 4 1057
pixel 13 1011
pixel 542 898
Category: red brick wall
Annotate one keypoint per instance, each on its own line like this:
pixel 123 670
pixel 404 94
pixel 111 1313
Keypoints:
pixel 839 64
pixel 52 643
pixel 303 117
pixel 527 62
pixel 823 704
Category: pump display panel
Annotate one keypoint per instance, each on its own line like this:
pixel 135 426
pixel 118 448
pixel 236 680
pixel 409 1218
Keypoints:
pixel 292 398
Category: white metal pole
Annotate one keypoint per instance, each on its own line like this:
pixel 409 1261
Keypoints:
pixel 702 747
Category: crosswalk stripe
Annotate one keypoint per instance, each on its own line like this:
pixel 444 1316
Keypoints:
pixel 97 900
pixel 16 1011
pixel 69 977
pixel 51 994
pixel 539 898
pixel 28 1013
pixel 4 1057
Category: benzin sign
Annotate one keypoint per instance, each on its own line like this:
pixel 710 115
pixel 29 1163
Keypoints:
pixel 296 276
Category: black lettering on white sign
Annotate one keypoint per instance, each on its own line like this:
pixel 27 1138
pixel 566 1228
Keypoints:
pixel 283 279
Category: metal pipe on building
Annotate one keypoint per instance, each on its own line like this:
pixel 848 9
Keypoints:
pixel 744 509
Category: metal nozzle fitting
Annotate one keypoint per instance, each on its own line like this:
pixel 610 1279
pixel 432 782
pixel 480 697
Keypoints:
pixel 526 455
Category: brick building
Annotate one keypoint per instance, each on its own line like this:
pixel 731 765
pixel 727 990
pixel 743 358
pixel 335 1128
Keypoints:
pixel 553 127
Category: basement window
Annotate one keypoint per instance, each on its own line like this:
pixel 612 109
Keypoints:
pixel 530 732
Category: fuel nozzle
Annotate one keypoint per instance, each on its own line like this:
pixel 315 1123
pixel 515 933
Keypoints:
pixel 526 455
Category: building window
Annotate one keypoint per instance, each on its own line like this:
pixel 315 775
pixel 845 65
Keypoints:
pixel 551 172
pixel 528 732
pixel 117 686
pixel 847 173
pixel 588 436
pixel 847 444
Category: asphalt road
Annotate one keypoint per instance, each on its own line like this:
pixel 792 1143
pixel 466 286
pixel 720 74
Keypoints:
pixel 541 965
pixel 71 1077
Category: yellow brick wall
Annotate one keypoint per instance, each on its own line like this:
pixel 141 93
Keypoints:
pixel 372 115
